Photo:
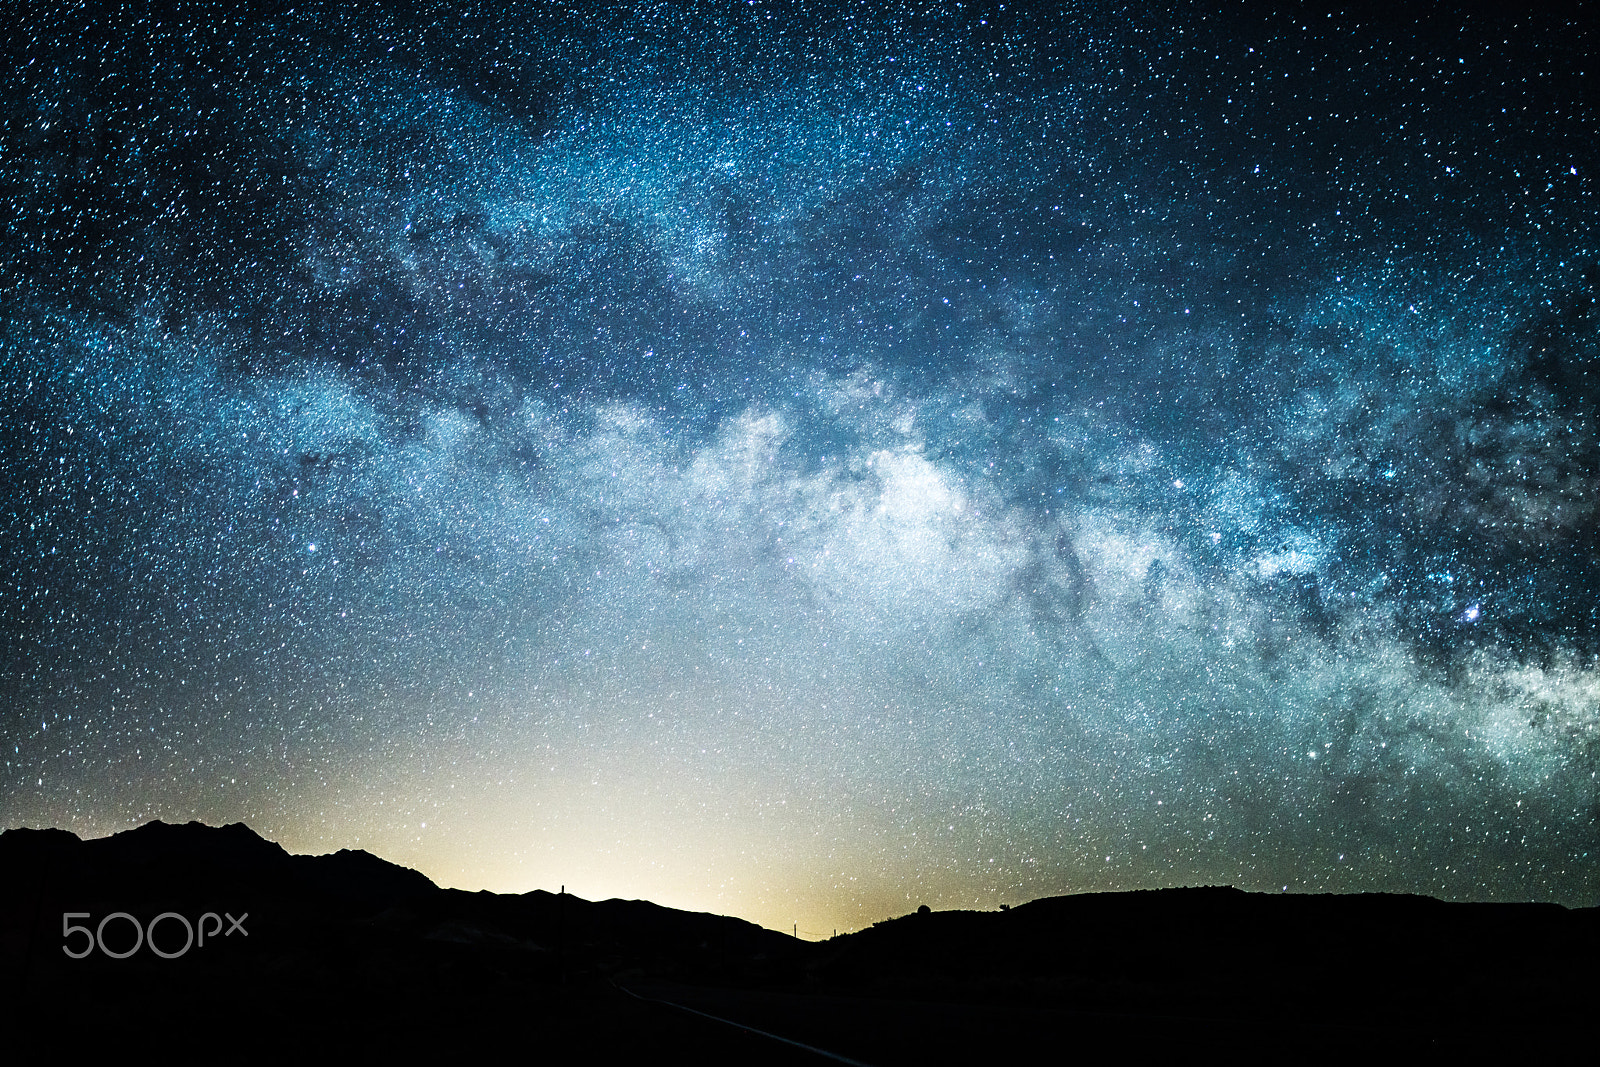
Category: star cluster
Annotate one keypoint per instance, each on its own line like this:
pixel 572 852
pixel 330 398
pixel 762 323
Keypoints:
pixel 795 459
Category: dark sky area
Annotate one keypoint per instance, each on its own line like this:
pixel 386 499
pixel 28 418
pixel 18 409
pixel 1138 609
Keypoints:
pixel 804 460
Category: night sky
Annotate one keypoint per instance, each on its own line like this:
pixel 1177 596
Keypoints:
pixel 806 460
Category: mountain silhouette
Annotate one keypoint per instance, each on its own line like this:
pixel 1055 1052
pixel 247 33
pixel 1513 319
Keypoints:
pixel 215 941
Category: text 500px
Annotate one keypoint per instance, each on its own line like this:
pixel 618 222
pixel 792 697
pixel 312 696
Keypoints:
pixel 146 934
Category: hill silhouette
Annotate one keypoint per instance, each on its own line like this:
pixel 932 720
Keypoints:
pixel 216 941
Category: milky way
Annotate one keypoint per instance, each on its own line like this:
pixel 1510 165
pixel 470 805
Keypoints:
pixel 806 460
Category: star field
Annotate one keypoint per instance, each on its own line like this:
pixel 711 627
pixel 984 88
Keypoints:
pixel 801 460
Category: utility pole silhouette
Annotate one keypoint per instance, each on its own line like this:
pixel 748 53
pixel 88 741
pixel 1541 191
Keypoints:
pixel 561 934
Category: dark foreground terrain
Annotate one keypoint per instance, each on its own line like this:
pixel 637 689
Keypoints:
pixel 350 956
